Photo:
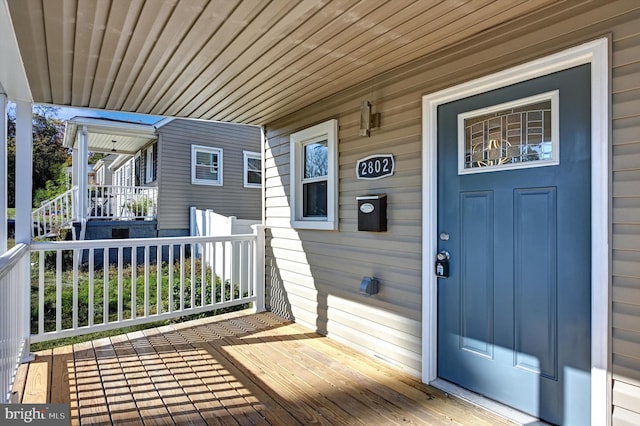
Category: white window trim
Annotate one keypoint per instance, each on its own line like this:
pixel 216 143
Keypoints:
pixel 329 131
pixel 595 53
pixel 211 150
pixel 148 165
pixel 246 155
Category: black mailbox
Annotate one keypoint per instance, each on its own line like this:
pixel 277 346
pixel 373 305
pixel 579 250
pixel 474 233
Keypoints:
pixel 372 213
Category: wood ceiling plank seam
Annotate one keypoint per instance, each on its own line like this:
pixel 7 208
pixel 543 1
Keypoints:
pixel 356 38
pixel 266 49
pixel 211 20
pixel 332 44
pixel 236 48
pixel 285 56
pixel 146 31
pixel 29 15
pixel 119 27
pixel 176 29
pixel 242 16
pixel 53 30
pixel 472 50
pixel 87 31
pixel 322 86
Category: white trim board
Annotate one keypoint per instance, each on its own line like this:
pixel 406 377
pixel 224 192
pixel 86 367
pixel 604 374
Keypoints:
pixel 596 54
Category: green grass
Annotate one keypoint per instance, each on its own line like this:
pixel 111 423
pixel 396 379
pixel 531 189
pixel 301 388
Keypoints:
pixel 127 284
pixel 11 213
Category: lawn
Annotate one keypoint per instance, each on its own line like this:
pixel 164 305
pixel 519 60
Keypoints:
pixel 144 291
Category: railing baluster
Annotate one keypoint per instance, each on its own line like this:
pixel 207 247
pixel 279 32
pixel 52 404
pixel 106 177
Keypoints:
pixel 41 292
pixel 134 279
pixel 105 286
pixel 159 279
pixel 75 289
pixel 146 281
pixel 214 278
pixel 170 272
pixel 203 275
pixel 193 276
pixel 223 280
pixel 182 277
pixel 58 290
pixel 91 284
pixel 120 284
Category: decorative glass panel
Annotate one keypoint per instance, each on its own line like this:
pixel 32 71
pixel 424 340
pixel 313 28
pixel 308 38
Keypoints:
pixel 512 135
pixel 316 160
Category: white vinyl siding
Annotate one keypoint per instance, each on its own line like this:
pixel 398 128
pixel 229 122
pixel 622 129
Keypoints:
pixel 206 165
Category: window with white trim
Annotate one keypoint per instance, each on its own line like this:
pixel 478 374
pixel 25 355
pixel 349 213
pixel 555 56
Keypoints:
pixel 148 165
pixel 206 165
pixel 314 181
pixel 252 169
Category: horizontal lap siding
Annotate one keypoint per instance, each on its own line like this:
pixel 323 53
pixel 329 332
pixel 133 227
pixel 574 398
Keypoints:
pixel 626 224
pixel 177 194
pixel 321 270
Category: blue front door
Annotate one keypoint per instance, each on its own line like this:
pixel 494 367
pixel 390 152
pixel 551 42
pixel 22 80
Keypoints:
pixel 514 215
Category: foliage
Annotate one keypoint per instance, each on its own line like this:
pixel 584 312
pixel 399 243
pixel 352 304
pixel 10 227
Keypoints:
pixel 49 156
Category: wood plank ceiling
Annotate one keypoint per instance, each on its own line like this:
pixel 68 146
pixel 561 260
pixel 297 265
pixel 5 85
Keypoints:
pixel 248 61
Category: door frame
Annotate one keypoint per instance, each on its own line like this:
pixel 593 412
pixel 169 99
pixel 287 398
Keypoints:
pixel 595 53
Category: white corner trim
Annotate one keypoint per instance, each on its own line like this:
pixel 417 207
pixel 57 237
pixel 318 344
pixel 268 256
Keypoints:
pixel 596 54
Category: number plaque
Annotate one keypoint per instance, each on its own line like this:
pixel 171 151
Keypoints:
pixel 376 166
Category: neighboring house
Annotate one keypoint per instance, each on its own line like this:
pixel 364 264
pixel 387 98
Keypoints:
pixel 157 172
pixel 510 132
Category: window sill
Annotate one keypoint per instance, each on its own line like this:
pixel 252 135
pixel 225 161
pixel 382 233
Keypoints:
pixel 314 224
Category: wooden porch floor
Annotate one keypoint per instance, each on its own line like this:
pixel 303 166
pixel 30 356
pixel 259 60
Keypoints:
pixel 240 368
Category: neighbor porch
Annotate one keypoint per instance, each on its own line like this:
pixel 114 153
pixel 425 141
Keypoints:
pixel 236 368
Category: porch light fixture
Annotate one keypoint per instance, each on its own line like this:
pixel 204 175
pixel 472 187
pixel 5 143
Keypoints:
pixel 114 146
pixel 368 120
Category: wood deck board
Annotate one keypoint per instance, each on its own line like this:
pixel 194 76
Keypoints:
pixel 234 369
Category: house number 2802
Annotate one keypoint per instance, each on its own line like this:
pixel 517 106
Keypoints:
pixel 375 166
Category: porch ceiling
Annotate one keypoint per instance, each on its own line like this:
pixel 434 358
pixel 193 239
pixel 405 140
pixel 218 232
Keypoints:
pixel 243 61
pixel 129 138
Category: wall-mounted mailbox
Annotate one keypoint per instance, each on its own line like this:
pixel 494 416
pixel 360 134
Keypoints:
pixel 372 213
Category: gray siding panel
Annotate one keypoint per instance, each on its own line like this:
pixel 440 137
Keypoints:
pixel 177 194
pixel 314 275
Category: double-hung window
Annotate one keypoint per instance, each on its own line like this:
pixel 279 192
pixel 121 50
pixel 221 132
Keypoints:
pixel 148 172
pixel 252 169
pixel 314 183
pixel 206 165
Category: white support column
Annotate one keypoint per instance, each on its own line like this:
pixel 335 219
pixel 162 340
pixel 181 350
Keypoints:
pixel 3 174
pixel 75 161
pixel 83 178
pixel 259 268
pixel 24 176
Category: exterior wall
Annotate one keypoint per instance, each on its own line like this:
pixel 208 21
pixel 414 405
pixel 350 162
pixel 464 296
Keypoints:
pixel 314 276
pixel 175 191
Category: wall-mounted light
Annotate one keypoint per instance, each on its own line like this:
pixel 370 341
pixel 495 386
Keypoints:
pixel 114 146
pixel 368 120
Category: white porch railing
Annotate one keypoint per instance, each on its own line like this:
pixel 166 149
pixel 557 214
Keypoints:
pixel 122 202
pixel 54 214
pixel 14 314
pixel 87 286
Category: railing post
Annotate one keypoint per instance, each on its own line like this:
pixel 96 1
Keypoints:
pixel 259 267
pixel 4 227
